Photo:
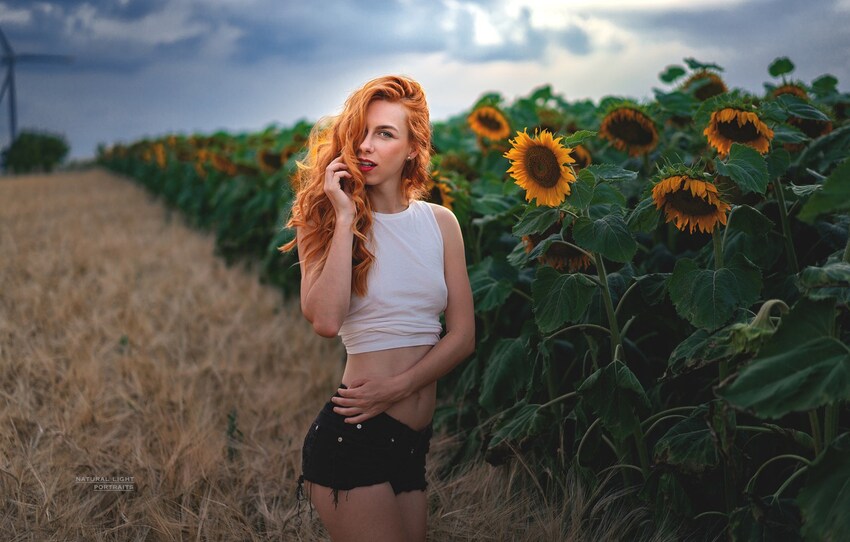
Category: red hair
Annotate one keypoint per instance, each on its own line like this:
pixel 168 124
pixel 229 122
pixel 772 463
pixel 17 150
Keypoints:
pixel 342 135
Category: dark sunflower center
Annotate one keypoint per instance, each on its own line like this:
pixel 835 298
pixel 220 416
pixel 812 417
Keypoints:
pixel 687 204
pixel 580 158
pixel 740 134
pixel 542 166
pixel 490 122
pixel 811 127
pixel 271 159
pixel 709 90
pixel 631 131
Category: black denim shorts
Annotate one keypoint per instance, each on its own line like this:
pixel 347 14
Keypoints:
pixel 343 456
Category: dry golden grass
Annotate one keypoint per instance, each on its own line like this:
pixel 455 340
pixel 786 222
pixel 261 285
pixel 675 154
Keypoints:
pixel 128 349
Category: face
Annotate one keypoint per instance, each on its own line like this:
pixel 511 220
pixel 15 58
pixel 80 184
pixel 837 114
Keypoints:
pixel 387 145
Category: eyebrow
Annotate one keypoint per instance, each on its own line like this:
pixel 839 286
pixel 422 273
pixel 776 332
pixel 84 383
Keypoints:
pixel 385 126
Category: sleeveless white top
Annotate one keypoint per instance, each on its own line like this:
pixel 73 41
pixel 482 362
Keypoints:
pixel 406 284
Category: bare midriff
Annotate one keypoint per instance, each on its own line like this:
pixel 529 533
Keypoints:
pixel 415 410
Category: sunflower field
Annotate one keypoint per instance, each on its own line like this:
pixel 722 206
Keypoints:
pixel 662 287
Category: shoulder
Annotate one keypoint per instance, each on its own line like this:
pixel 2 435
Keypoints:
pixel 445 218
pixel 447 221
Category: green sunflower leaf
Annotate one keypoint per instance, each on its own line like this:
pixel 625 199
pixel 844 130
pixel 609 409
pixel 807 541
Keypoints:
pixel 825 498
pixel 611 173
pixel 746 167
pixel 559 298
pixel 514 427
pixel 708 298
pixel 777 163
pixel 697 65
pixel 688 445
pixel 506 374
pixel 614 394
pixel 811 375
pixel 835 195
pixel 608 235
pixel 749 220
pixel 581 191
pixel 780 66
pixel 830 281
pixel 536 220
pixel 644 217
pixel 672 73
pixel 700 349
pixel 797 107
pixel 825 84
pixel 577 138
pixel 799 368
pixel 785 133
pixel 492 282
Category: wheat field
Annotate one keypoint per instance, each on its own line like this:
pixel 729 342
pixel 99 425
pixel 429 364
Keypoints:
pixel 131 353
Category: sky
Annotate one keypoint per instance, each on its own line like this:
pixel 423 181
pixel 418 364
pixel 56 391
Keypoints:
pixel 146 68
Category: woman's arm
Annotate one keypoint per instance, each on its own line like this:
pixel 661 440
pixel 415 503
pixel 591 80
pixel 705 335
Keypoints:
pixel 364 400
pixel 326 295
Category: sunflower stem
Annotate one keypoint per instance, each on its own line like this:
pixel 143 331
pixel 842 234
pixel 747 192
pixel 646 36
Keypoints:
pixel 557 400
pixel 577 326
pixel 641 449
pixel 816 435
pixel 609 306
pixel 790 253
pixel 847 247
pixel 717 240
pixel 830 423
pixel 522 294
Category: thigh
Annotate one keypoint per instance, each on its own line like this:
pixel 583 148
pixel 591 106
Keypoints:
pixel 364 514
pixel 413 508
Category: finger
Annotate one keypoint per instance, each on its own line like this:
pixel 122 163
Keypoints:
pixel 347 411
pixel 343 401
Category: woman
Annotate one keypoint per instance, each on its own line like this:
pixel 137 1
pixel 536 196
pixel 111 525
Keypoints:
pixel 378 266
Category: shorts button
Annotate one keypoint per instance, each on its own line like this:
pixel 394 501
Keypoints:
pixel 317 426
pixel 359 426
pixel 392 440
pixel 339 439
pixel 411 450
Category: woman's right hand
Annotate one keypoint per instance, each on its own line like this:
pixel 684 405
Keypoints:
pixel 336 176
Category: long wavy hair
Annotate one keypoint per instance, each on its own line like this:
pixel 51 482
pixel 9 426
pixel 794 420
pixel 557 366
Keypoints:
pixel 342 135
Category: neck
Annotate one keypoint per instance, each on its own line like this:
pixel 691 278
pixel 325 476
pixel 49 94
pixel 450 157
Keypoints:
pixel 386 203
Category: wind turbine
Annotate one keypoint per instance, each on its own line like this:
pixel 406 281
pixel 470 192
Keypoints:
pixel 10 58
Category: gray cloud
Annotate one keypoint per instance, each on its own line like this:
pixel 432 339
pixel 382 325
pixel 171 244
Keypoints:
pixel 751 34
pixel 152 66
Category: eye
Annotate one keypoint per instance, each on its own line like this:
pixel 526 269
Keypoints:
pixel 385 133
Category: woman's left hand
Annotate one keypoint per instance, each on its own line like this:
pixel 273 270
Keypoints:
pixel 366 398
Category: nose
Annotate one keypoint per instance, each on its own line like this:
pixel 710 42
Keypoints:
pixel 366 145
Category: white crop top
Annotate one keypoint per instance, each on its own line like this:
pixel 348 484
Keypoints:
pixel 406 284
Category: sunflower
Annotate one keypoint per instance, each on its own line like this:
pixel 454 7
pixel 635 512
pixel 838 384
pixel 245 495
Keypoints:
pixel 708 84
pixel 693 203
pixel 159 153
pixel 581 156
pixel 629 129
pixel 540 165
pixel 269 160
pixel 439 191
pixel 459 164
pixel 733 125
pixel 793 89
pixel 559 255
pixel 813 128
pixel 223 164
pixel 489 122
pixel 550 119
